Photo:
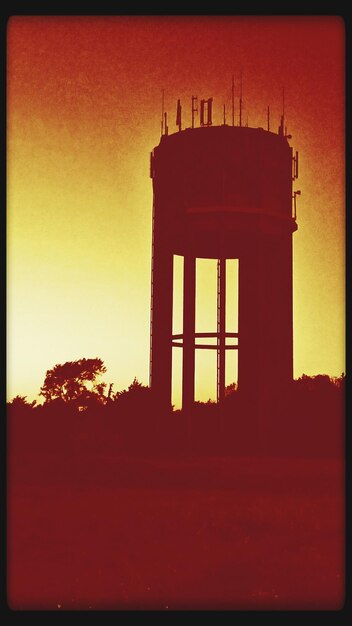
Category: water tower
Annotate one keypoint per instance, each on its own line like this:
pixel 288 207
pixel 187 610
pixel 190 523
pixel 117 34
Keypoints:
pixel 224 192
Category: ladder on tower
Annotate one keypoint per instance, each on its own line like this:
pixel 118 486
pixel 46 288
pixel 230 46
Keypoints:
pixel 221 320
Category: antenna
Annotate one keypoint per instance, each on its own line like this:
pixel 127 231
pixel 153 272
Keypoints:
pixel 295 165
pixel 162 111
pixel 179 115
pixel 268 119
pixel 284 126
pixel 206 106
pixel 224 115
pixel 241 100
pixel 233 100
pixel 194 108
pixel 202 102
pixel 282 130
pixel 295 194
pixel 210 111
pixel 165 124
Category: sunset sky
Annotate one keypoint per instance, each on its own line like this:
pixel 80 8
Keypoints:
pixel 84 108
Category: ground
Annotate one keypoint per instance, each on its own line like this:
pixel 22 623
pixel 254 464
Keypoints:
pixel 95 530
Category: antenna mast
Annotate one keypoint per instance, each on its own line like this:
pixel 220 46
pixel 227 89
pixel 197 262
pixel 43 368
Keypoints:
pixel 162 111
pixel 241 100
pixel 233 100
pixel 179 115
pixel 281 130
pixel 194 108
pixel 268 119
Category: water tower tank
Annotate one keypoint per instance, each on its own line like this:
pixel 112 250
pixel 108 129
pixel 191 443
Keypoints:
pixel 224 192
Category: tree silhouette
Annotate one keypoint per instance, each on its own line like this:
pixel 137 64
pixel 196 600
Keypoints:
pixel 230 389
pixel 136 394
pixel 20 403
pixel 68 382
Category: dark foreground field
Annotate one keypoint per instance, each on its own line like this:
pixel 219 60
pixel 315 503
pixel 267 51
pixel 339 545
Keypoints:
pixel 88 529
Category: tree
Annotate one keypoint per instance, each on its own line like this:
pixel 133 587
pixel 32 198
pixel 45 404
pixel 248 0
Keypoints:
pixel 231 389
pixel 20 403
pixel 136 392
pixel 68 382
pixel 137 400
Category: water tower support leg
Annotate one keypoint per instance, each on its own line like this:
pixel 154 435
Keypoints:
pixel 189 313
pixel 221 321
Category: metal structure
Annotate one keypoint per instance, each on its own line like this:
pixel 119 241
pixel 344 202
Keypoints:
pixel 224 192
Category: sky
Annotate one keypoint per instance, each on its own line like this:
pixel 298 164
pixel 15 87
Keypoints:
pixel 83 114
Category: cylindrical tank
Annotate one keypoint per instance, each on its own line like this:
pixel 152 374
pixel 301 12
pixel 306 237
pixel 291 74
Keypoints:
pixel 225 192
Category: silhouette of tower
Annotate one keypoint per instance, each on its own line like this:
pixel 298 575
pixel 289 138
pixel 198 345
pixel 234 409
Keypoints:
pixel 224 192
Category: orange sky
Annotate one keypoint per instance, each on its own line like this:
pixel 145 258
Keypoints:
pixel 84 103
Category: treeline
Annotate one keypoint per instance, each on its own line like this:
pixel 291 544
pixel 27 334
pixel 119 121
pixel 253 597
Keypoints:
pixel 304 419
